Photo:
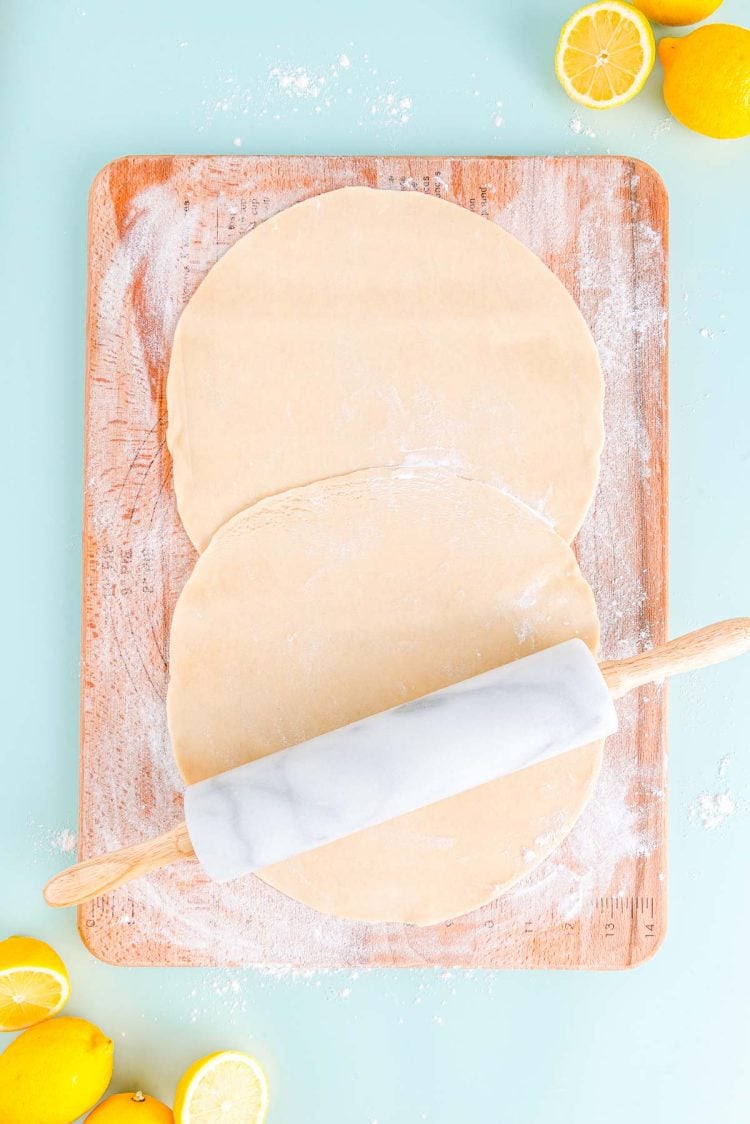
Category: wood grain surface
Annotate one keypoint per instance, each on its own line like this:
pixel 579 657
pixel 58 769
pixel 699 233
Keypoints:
pixel 157 225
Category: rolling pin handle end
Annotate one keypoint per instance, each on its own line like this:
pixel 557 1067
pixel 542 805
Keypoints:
pixel 93 877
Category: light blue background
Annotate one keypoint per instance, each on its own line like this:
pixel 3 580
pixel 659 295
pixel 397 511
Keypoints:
pixel 83 82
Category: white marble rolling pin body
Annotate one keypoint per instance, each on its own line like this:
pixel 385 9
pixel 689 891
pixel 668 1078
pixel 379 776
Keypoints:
pixel 395 762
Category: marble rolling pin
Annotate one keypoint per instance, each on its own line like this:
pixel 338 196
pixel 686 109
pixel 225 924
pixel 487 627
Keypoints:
pixel 393 763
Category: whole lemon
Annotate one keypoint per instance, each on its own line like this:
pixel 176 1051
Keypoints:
pixel 131 1108
pixel 677 13
pixel 707 79
pixel 54 1072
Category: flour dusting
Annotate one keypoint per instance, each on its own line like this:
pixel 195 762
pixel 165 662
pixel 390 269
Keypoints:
pixel 612 829
pixel 52 842
pixel 288 88
pixel 576 126
pixel 713 809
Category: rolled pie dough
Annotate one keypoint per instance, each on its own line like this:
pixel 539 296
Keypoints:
pixel 332 602
pixel 364 328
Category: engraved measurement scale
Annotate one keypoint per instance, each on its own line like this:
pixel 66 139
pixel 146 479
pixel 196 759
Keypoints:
pixel 641 911
pixel 156 227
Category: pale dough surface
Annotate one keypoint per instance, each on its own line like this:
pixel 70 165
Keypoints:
pixel 328 603
pixel 363 328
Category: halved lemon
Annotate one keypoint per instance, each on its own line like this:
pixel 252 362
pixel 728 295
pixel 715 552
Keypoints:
pixel 224 1088
pixel 34 983
pixel 605 54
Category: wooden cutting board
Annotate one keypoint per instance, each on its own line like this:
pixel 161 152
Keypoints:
pixel 157 225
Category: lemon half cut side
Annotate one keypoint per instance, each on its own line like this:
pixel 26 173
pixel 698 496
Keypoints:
pixel 605 54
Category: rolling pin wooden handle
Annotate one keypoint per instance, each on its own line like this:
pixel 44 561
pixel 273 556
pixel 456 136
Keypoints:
pixel 87 880
pixel 712 644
